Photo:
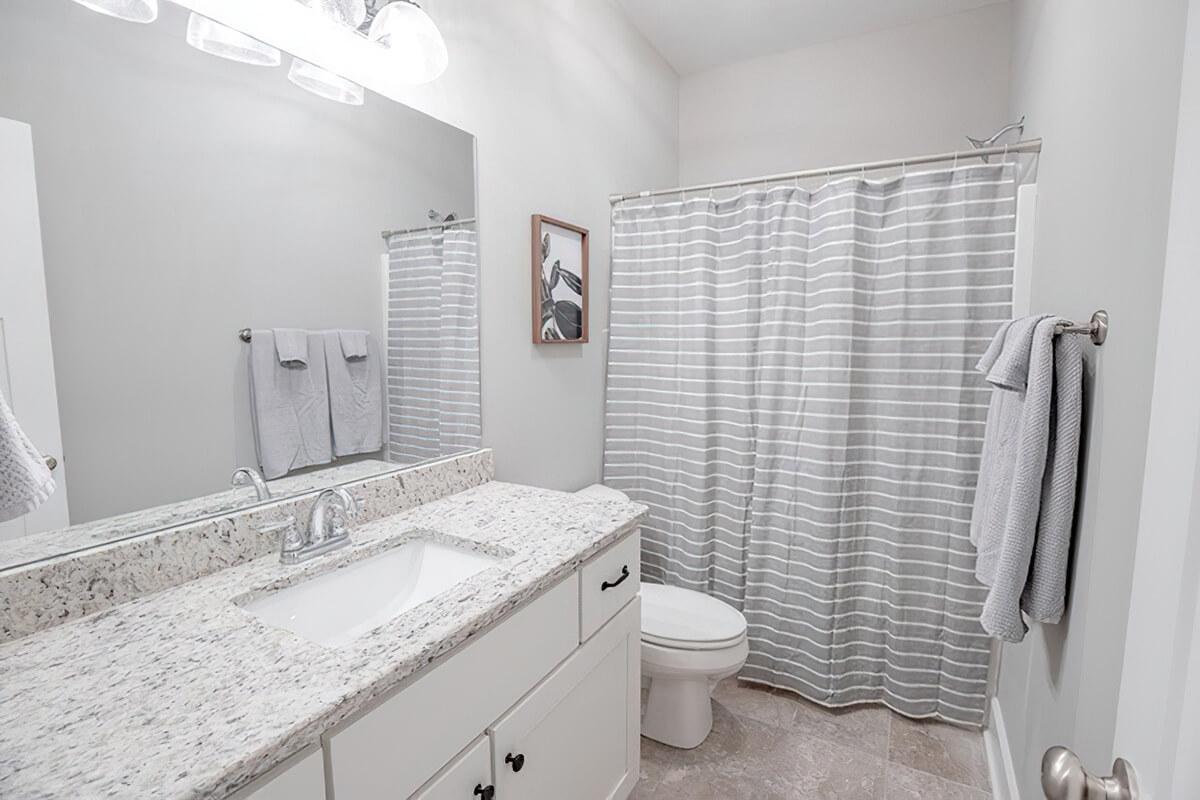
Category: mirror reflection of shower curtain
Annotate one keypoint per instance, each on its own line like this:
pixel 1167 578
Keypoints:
pixel 791 392
pixel 433 343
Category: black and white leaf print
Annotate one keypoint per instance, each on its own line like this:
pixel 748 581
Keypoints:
pixel 561 317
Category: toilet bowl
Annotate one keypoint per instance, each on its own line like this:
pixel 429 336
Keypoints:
pixel 690 641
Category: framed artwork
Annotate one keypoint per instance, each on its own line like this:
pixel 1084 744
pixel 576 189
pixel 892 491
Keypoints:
pixel 560 282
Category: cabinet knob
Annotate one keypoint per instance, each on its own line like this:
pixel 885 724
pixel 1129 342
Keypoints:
pixel 51 463
pixel 517 761
pixel 485 792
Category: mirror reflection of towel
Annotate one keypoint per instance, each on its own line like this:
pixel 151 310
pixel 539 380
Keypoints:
pixel 355 393
pixel 354 344
pixel 25 480
pixel 291 344
pixel 289 407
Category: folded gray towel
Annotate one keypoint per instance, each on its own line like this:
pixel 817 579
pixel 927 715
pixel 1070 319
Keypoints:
pixel 354 344
pixel 355 395
pixel 289 407
pixel 291 344
pixel 25 480
pixel 1024 501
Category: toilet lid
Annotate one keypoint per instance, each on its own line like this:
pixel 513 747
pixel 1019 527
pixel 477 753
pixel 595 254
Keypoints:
pixel 685 619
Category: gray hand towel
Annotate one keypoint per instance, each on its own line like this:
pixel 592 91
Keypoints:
pixel 354 344
pixel 25 480
pixel 1024 501
pixel 355 394
pixel 289 407
pixel 291 344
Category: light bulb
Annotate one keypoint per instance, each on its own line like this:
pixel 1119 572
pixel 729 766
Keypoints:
pixel 324 83
pixel 129 10
pixel 221 40
pixel 413 41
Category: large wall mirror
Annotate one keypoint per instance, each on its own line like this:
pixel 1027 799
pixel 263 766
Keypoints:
pixel 238 271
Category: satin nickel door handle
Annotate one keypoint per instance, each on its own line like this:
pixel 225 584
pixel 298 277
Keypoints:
pixel 1064 778
pixel 51 463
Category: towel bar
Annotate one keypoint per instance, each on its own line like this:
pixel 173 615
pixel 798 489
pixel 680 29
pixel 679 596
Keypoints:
pixel 244 334
pixel 1097 329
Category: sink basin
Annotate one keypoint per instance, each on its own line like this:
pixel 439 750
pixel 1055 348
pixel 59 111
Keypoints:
pixel 339 606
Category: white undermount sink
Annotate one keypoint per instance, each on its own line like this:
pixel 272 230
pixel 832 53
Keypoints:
pixel 339 606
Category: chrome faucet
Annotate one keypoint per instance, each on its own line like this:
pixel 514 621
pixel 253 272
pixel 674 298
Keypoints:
pixel 329 523
pixel 248 475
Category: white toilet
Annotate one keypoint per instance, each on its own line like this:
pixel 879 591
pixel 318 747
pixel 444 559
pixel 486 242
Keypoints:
pixel 689 642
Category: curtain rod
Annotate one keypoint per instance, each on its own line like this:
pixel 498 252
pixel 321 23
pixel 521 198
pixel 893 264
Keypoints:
pixel 390 234
pixel 1027 146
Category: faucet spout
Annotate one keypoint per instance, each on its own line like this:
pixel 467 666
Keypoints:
pixel 329 523
pixel 244 476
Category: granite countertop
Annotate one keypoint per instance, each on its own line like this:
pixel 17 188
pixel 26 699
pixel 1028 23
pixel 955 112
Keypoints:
pixel 48 544
pixel 184 694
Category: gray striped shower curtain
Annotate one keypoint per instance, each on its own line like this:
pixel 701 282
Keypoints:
pixel 432 344
pixel 790 390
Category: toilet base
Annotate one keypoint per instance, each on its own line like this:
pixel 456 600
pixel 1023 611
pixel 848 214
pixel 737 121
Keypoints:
pixel 678 711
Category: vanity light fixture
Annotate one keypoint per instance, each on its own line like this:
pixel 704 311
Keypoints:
pixel 412 39
pixel 221 40
pixel 128 10
pixel 324 83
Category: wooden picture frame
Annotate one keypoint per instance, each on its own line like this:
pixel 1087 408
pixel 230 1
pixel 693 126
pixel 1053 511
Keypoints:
pixel 560 281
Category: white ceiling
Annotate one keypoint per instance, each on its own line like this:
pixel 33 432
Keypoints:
pixel 695 35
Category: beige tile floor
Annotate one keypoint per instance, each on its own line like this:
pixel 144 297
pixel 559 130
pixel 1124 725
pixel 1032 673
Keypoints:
pixel 769 745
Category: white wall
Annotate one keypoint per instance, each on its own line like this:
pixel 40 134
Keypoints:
pixel 1100 83
pixel 569 104
pixel 911 90
pixel 183 197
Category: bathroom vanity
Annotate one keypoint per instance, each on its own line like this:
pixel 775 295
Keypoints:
pixel 544 705
pixel 509 668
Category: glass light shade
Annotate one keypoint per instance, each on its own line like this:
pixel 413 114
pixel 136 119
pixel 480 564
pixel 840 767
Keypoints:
pixel 324 83
pixel 348 12
pixel 221 40
pixel 129 10
pixel 413 41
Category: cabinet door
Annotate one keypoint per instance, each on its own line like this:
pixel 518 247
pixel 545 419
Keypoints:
pixel 395 747
pixel 460 779
pixel 576 735
pixel 301 777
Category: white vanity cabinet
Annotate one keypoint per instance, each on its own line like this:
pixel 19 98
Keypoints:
pixel 576 734
pixel 544 706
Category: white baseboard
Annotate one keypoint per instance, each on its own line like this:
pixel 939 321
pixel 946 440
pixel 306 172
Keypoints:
pixel 999 757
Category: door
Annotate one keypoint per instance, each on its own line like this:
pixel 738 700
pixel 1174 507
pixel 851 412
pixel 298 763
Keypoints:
pixel 576 735
pixel 1158 707
pixel 26 359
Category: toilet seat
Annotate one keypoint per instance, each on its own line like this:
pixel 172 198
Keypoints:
pixel 682 619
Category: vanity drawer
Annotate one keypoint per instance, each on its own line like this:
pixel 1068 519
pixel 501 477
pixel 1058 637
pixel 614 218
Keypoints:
pixel 458 780
pixel 608 582
pixel 394 748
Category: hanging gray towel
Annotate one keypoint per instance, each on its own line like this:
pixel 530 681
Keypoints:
pixel 25 480
pixel 291 344
pixel 355 392
pixel 354 344
pixel 1025 497
pixel 289 406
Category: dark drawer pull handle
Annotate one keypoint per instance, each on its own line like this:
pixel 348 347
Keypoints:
pixel 485 792
pixel 604 587
pixel 517 761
